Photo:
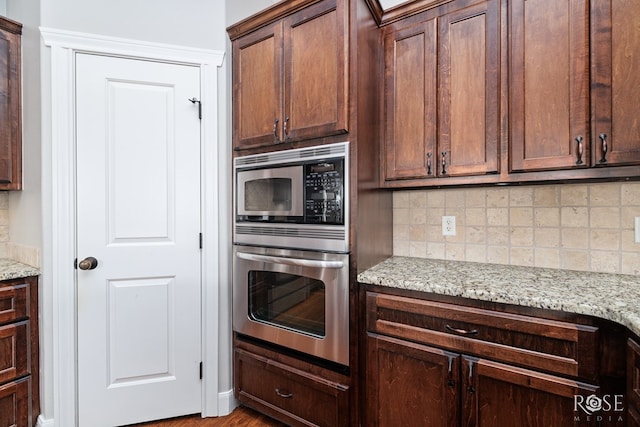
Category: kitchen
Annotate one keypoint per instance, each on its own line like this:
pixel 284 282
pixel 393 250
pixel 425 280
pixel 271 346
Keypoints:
pixel 584 226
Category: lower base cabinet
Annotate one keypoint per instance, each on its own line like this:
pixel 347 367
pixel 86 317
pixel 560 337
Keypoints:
pixel 290 390
pixel 14 403
pixel 633 383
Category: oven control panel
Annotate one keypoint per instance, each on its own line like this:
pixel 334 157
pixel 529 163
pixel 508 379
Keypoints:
pixel 324 192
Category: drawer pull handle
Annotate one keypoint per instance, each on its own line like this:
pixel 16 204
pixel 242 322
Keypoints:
pixel 605 147
pixel 284 395
pixel 472 332
pixel 580 150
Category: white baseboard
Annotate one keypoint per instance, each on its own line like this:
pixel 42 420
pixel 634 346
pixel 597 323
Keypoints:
pixel 226 403
pixel 45 422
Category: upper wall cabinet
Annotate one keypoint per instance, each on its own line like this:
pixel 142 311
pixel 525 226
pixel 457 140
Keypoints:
pixel 290 78
pixel 441 94
pixel 10 106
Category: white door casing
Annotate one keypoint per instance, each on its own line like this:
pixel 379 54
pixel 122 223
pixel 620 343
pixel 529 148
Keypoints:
pixel 138 214
pixel 58 290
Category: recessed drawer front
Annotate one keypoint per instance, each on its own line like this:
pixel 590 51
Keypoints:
pixel 14 303
pixel 559 347
pixel 14 351
pixel 14 405
pixel 299 397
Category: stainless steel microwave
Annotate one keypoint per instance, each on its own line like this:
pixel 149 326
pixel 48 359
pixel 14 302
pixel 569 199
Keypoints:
pixel 296 198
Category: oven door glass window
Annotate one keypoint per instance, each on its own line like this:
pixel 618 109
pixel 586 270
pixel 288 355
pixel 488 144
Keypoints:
pixel 289 301
pixel 268 194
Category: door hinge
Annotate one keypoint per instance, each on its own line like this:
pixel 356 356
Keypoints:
pixel 75 263
pixel 200 238
pixel 196 100
pixel 201 370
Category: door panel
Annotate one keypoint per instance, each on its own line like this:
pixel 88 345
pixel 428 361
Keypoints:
pixel 138 214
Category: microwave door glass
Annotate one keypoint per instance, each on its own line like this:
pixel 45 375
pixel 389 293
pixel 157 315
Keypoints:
pixel 268 195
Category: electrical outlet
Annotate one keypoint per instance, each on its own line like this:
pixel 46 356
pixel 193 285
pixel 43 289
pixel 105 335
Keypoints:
pixel 448 225
pixel 638 229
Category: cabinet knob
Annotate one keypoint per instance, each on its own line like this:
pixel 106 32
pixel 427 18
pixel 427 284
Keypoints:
pixel 605 147
pixel 88 263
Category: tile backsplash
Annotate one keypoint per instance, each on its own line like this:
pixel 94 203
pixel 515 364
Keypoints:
pixel 4 223
pixel 588 227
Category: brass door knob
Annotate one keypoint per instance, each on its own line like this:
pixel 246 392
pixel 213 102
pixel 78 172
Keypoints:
pixel 89 263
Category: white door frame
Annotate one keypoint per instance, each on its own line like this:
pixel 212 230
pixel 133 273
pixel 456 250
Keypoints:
pixel 59 275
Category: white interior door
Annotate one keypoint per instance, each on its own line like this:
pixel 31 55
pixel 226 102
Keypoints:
pixel 138 214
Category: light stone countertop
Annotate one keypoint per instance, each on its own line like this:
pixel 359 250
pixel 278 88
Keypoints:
pixel 10 269
pixel 613 297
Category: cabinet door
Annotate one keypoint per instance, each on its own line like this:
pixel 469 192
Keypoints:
pixel 315 64
pixel 616 89
pixel 469 90
pixel 257 88
pixel 495 393
pixel 633 382
pixel 410 56
pixel 549 84
pixel 410 384
pixel 10 113
pixel 14 403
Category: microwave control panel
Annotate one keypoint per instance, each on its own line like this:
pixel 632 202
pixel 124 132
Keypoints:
pixel 324 192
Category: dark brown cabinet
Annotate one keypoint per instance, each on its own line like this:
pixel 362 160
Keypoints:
pixel 442 120
pixel 10 105
pixel 290 78
pixel 439 364
pixel 290 390
pixel 633 383
pixel 19 400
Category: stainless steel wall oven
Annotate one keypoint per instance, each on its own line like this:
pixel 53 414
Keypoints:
pixel 291 250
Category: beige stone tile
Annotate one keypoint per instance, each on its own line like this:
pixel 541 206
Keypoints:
pixel 546 196
pixel 475 197
pixel 604 217
pixel 521 217
pixel 436 250
pixel 521 236
pixel 547 257
pixel 4 200
pixel 400 248
pixel 498 217
pixel 4 217
pixel 476 253
pixel 434 233
pixel 497 197
pixel 475 216
pixel 521 196
pixel 574 195
pixel 574 260
pixel 546 217
pixel 521 256
pixel 498 236
pixel 418 249
pixel 435 198
pixel 401 216
pixel 401 199
pixel 418 216
pixel 575 238
pixel 401 232
pixel 4 233
pixel 418 199
pixel 628 241
pixel 574 217
pixel 630 263
pixel 476 235
pixel 604 261
pixel 604 194
pixel 498 254
pixel 604 240
pixel 547 237
pixel 454 199
pixel 418 233
pixel 454 251
pixel 627 217
pixel 434 216
pixel 630 194
pixel 3 250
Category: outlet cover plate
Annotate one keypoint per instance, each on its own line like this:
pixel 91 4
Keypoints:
pixel 448 225
pixel 638 229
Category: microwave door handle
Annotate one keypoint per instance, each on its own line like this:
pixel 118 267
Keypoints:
pixel 298 262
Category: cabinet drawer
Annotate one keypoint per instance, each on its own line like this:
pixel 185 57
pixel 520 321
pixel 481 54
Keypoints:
pixel 14 405
pixel 554 346
pixel 14 351
pixel 289 394
pixel 14 303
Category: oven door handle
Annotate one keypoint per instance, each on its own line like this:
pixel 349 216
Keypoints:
pixel 298 262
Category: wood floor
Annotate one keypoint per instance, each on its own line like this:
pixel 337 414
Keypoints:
pixel 240 417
